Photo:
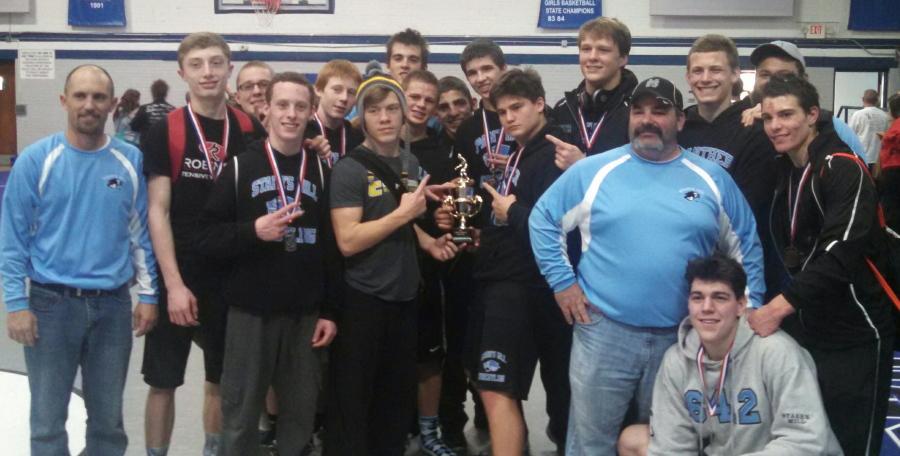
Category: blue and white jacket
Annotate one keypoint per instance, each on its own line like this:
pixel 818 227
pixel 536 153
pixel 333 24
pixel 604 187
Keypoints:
pixel 640 223
pixel 76 218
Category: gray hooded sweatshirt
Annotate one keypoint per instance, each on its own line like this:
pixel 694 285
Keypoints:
pixel 770 405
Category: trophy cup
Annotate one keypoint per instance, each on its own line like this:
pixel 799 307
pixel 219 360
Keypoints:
pixel 463 203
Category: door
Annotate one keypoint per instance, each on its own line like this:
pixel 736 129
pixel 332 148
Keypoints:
pixel 849 87
pixel 8 107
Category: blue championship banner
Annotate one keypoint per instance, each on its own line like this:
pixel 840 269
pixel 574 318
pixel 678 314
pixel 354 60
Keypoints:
pixel 92 13
pixel 567 14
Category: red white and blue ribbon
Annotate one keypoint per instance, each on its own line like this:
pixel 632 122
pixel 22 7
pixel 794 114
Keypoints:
pixel 510 171
pixel 343 151
pixel 279 185
pixel 215 168
pixel 589 140
pixel 713 401
pixel 487 139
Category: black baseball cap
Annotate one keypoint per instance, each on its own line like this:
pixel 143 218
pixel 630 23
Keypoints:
pixel 662 89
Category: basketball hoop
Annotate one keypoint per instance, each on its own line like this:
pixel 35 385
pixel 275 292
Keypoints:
pixel 265 11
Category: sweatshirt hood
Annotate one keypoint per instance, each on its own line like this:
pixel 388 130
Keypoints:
pixel 726 117
pixel 611 98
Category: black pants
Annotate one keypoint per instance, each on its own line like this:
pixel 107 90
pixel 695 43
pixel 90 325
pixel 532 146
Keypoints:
pixel 855 386
pixel 373 377
pixel 459 291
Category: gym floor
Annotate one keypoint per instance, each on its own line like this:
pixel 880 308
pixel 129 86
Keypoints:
pixel 187 438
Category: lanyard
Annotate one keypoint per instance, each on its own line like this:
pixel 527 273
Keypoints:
pixel 487 138
pixel 792 212
pixel 214 171
pixel 279 185
pixel 713 402
pixel 343 151
pixel 589 140
pixel 510 171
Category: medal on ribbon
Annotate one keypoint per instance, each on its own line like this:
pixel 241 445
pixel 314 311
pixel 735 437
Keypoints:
pixel 712 402
pixel 290 236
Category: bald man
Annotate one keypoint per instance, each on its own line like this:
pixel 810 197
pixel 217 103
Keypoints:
pixel 74 222
pixel 868 122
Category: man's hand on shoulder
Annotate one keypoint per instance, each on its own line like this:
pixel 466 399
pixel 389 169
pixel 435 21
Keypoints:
pixel 766 320
pixel 751 114
pixel 22 327
pixel 144 318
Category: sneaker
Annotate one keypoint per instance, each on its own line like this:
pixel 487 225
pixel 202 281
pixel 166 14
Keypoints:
pixel 435 447
pixel 457 442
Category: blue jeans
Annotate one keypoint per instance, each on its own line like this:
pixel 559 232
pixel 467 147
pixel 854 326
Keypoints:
pixel 612 369
pixel 94 333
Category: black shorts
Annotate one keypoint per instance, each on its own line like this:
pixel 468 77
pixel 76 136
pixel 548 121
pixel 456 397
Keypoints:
pixel 430 342
pixel 167 346
pixel 509 327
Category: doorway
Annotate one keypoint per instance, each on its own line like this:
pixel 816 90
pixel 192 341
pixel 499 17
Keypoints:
pixel 849 87
pixel 8 144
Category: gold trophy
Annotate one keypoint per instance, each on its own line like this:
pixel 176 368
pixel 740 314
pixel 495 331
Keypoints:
pixel 463 203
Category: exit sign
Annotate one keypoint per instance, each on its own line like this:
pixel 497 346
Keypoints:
pixel 815 31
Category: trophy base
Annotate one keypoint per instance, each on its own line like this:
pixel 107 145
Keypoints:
pixel 462 237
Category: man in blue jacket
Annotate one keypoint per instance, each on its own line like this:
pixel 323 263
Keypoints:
pixel 74 222
pixel 643 211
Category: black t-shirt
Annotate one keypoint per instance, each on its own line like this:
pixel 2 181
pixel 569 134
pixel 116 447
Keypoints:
pixel 192 187
pixel 354 138
pixel 148 114
pixel 389 269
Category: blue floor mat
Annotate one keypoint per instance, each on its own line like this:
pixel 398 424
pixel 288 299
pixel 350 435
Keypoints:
pixel 891 445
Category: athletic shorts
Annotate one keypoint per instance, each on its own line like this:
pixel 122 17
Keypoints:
pixel 430 342
pixel 167 346
pixel 503 347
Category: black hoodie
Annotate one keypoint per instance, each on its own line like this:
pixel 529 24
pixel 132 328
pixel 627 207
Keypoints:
pixel 608 104
pixel 265 278
pixel 745 152
pixel 838 301
pixel 470 141
pixel 505 251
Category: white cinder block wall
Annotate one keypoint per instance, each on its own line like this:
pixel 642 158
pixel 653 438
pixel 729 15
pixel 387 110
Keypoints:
pixel 456 21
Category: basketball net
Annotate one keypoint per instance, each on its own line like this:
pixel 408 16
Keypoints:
pixel 265 11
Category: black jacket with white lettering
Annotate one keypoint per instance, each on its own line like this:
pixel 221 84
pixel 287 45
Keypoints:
pixel 505 251
pixel 266 279
pixel 608 104
pixel 745 152
pixel 838 301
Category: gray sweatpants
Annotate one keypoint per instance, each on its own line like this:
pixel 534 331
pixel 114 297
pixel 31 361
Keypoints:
pixel 262 351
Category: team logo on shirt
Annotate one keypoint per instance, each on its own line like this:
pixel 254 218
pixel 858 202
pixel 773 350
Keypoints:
pixel 714 154
pixel 690 194
pixel 216 150
pixel 492 363
pixel 376 187
pixel 113 181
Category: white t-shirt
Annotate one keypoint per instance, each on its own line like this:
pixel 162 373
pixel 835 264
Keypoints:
pixel 866 123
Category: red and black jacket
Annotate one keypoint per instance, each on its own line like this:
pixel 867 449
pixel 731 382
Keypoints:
pixel 839 303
